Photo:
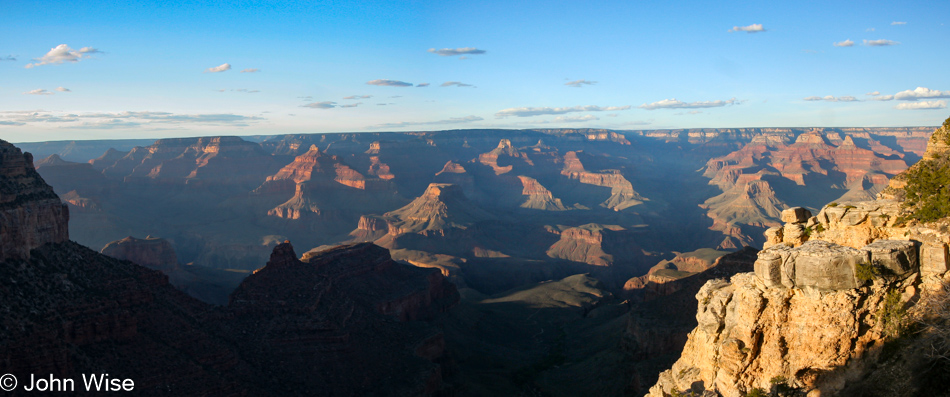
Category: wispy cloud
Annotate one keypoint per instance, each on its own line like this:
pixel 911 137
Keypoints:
pixel 218 69
pixel 846 43
pixel 831 98
pixel 453 120
pixel 539 111
pixel 882 98
pixel 920 93
pixel 676 104
pixel 753 28
pixel 579 83
pixel 880 43
pixel 873 93
pixel 869 30
pixel 62 54
pixel 898 23
pixel 320 105
pixel 250 70
pixel 352 105
pixel 922 105
pixel 422 85
pixel 455 83
pixel 38 92
pixel 129 119
pixel 358 97
pixel 8 58
pixel 449 52
pixel 575 119
pixel 63 89
pixel 389 83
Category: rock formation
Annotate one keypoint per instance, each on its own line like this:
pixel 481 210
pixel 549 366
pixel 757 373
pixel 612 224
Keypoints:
pixel 817 316
pixel 758 179
pixel 31 214
pixel 151 252
pixel 348 321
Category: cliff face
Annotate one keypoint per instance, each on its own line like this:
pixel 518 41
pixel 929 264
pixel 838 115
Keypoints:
pixel 828 296
pixel 771 169
pixel 342 322
pixel 348 321
pixel 151 252
pixel 30 212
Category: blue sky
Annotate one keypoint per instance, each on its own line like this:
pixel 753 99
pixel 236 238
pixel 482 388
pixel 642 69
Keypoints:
pixel 147 69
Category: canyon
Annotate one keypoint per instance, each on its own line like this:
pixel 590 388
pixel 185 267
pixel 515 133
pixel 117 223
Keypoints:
pixel 465 262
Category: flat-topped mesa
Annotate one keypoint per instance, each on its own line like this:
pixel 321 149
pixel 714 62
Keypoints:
pixel 31 214
pixel 151 252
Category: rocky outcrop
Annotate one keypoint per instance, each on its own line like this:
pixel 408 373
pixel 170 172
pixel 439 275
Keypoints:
pixel 442 206
pixel 343 321
pixel 151 252
pixel 757 179
pixel 622 194
pixel 538 197
pixel 30 212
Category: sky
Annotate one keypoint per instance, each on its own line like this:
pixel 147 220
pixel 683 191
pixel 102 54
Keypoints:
pixel 134 69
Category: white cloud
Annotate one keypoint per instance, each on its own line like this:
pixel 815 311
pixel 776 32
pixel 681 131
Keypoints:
pixel 453 120
pixel 898 23
pixel 38 91
pixel 883 98
pixel 575 119
pixel 832 98
pixel 528 112
pixel 389 83
pixel 218 69
pixel 358 97
pixel 873 93
pixel 922 105
pixel 124 119
pixel 675 104
pixel 422 85
pixel 753 28
pixel 448 52
pixel 352 105
pixel 63 89
pixel 869 30
pixel 880 43
pixel 920 93
pixel 250 70
pixel 455 83
pixel 579 83
pixel 62 54
pixel 846 43
pixel 320 105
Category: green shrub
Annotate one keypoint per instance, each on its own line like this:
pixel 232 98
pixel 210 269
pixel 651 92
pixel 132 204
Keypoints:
pixel 928 189
pixel 757 392
pixel 867 272
pixel 893 315
pixel 832 204
pixel 819 228
pixel 849 207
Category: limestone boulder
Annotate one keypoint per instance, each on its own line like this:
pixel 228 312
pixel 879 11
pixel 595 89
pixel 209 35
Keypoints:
pixel 773 236
pixel 900 256
pixel 796 215
pixel 794 234
pixel 827 267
